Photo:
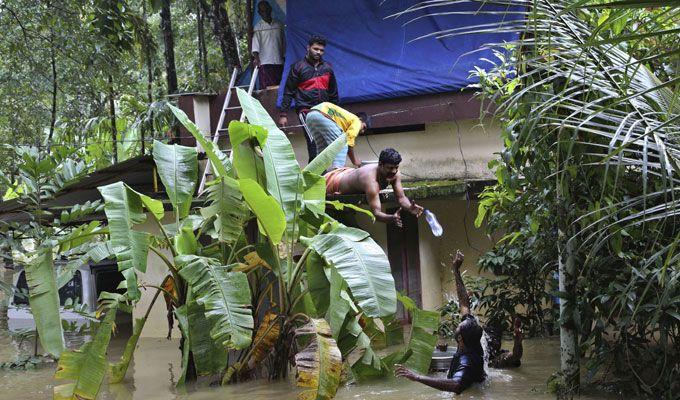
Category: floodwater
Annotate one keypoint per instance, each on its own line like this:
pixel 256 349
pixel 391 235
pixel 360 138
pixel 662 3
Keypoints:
pixel 156 367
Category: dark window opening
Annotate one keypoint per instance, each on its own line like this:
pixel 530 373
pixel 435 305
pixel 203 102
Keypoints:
pixel 72 290
pixel 107 279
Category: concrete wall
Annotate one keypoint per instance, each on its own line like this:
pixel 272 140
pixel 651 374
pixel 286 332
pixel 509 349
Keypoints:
pixel 446 150
pixel 455 215
pixel 156 270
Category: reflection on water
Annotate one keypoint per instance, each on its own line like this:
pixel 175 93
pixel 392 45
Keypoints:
pixel 157 365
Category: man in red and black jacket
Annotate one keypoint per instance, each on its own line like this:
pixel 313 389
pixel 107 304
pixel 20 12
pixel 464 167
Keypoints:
pixel 311 81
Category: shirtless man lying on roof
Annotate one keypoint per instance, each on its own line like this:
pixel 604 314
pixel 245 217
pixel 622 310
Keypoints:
pixel 371 179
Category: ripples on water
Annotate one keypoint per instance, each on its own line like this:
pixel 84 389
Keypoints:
pixel 157 364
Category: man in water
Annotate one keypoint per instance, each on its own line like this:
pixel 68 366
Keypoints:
pixel 371 179
pixel 467 365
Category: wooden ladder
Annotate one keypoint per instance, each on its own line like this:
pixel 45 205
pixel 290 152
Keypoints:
pixel 221 129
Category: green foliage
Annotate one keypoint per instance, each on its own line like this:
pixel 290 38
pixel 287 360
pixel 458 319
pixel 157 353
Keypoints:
pixel 590 115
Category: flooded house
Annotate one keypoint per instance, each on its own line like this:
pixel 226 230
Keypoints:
pixel 415 91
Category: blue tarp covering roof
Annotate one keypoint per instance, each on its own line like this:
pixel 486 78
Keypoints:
pixel 374 57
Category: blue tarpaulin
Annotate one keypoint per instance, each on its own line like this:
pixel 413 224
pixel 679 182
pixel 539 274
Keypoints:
pixel 375 57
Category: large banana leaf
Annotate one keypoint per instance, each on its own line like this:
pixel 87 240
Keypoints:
pixel 317 283
pixel 226 205
pixel 247 162
pixel 319 365
pixel 183 323
pixel 210 357
pixel 124 209
pixel 266 208
pixel 118 370
pixel 43 297
pixel 363 265
pixel 86 366
pixel 221 165
pixel 423 339
pixel 284 177
pixel 178 168
pixel 225 296
pixel 323 160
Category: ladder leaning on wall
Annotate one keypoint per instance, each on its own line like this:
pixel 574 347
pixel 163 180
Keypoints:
pixel 221 129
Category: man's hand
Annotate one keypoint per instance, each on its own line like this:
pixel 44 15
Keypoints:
pixel 396 218
pixel 457 260
pixel 256 61
pixel 403 372
pixel 415 209
pixel 283 120
pixel 357 163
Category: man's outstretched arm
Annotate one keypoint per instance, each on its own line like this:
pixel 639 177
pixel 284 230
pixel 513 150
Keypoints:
pixel 404 201
pixel 461 291
pixel 373 196
pixel 447 385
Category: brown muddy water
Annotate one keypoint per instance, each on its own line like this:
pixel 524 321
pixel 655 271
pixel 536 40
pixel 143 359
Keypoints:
pixel 156 367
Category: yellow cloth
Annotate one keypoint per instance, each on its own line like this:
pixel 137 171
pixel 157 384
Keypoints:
pixel 348 122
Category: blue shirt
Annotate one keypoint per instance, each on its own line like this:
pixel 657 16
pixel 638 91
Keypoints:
pixel 467 368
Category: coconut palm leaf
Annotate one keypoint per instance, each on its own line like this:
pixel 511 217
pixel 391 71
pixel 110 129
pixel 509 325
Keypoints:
pixel 43 297
pixel 86 366
pixel 629 115
pixel 225 296
pixel 319 365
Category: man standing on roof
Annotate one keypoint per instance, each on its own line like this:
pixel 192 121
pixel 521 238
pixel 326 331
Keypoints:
pixel 371 179
pixel 311 81
pixel 327 122
pixel 269 46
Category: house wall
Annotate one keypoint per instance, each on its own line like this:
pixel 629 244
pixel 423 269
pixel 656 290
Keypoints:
pixel 456 215
pixel 156 270
pixel 446 150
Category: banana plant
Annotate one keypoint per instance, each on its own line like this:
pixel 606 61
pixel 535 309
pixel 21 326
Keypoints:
pixel 302 289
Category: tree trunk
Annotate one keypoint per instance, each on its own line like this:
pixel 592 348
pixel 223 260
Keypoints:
pixel 569 351
pixel 53 116
pixel 149 64
pixel 169 43
pixel 202 53
pixel 112 116
pixel 217 13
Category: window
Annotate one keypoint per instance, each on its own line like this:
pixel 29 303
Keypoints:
pixel 72 290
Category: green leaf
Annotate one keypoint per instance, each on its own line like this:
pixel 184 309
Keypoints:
pixel 185 241
pixel 210 357
pixel 124 209
pixel 317 283
pixel 183 322
pixel 226 205
pixel 177 167
pixel 284 177
pixel 225 296
pixel 86 366
pixel 363 265
pixel 423 339
pixel 319 365
pixel 266 208
pixel 221 165
pixel 248 163
pixel 118 370
pixel 323 160
pixel 43 297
